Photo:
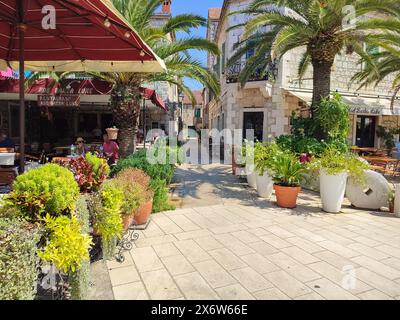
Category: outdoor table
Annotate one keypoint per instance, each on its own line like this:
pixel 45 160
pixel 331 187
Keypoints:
pixel 382 164
pixel 7 159
pixel 386 160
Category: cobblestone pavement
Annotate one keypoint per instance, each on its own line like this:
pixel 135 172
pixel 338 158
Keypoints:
pixel 225 243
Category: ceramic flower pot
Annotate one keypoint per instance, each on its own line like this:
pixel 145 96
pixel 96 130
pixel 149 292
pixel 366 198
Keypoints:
pixel 143 213
pixel 251 177
pixel 286 197
pixel 264 185
pixel 332 189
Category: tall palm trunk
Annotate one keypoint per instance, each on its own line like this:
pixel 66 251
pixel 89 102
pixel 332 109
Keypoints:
pixel 125 104
pixel 322 71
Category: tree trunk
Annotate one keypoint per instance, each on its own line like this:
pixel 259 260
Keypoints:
pixel 321 81
pixel 126 111
pixel 321 89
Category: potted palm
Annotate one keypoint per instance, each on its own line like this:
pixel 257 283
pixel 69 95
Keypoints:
pixel 263 157
pixel 335 167
pixel 287 173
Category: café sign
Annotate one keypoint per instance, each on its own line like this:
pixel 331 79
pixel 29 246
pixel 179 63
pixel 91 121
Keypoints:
pixel 59 100
pixel 365 110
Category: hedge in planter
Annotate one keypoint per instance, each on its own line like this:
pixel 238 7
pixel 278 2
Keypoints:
pixel 18 259
pixel 50 189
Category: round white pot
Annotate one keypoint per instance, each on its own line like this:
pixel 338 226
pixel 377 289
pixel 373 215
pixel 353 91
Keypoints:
pixel 332 189
pixel 265 185
pixel 251 177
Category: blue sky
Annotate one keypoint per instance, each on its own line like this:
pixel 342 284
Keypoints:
pixel 199 7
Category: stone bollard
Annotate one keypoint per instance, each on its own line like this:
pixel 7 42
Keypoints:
pixel 397 200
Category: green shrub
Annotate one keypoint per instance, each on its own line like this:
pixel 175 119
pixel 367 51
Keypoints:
pixel 49 189
pixel 309 145
pixel 264 155
pixel 67 246
pixel 332 116
pixel 160 174
pixel 161 196
pixel 18 259
pixel 106 210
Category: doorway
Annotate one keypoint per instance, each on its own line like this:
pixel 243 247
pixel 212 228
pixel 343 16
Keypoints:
pixel 254 121
pixel 365 132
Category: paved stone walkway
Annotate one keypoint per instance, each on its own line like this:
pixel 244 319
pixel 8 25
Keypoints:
pixel 228 244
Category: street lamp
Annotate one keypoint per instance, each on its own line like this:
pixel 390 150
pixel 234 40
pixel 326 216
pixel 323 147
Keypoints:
pixel 181 96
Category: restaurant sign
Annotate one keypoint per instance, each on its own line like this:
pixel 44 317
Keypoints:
pixel 59 100
pixel 365 110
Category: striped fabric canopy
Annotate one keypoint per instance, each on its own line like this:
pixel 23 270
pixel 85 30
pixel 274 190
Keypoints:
pixel 89 35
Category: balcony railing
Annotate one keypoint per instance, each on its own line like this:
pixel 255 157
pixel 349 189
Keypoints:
pixel 270 73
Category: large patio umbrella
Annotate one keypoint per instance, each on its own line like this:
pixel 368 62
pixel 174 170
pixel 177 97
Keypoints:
pixel 88 35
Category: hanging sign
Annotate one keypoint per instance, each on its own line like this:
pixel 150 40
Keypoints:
pixel 60 100
pixel 365 110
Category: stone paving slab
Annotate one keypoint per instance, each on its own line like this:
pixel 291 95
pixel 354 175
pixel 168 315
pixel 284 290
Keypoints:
pixel 254 250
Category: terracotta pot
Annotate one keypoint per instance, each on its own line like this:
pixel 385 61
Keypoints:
pixel 127 221
pixel 286 197
pixel 143 213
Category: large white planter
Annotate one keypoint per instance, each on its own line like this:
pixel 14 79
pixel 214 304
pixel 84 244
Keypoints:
pixel 332 189
pixel 251 177
pixel 265 185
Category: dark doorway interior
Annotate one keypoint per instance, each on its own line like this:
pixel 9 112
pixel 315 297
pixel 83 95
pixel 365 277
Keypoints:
pixel 365 134
pixel 254 121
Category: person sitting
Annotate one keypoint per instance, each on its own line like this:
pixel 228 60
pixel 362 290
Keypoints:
pixel 97 133
pixel 110 150
pixel 80 147
pixel 5 141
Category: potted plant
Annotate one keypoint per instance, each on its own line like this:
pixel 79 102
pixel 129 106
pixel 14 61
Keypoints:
pixel 335 167
pixel 287 173
pixel 263 157
pixel 138 198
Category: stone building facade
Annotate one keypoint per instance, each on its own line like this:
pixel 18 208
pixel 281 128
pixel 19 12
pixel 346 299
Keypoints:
pixel 267 101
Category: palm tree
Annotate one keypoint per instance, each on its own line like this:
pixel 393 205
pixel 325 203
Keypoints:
pixel 384 62
pixel 125 95
pixel 322 27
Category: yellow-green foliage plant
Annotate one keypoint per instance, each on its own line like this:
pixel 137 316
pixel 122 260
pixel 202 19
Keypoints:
pixel 106 208
pixel 67 247
pixel 49 189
